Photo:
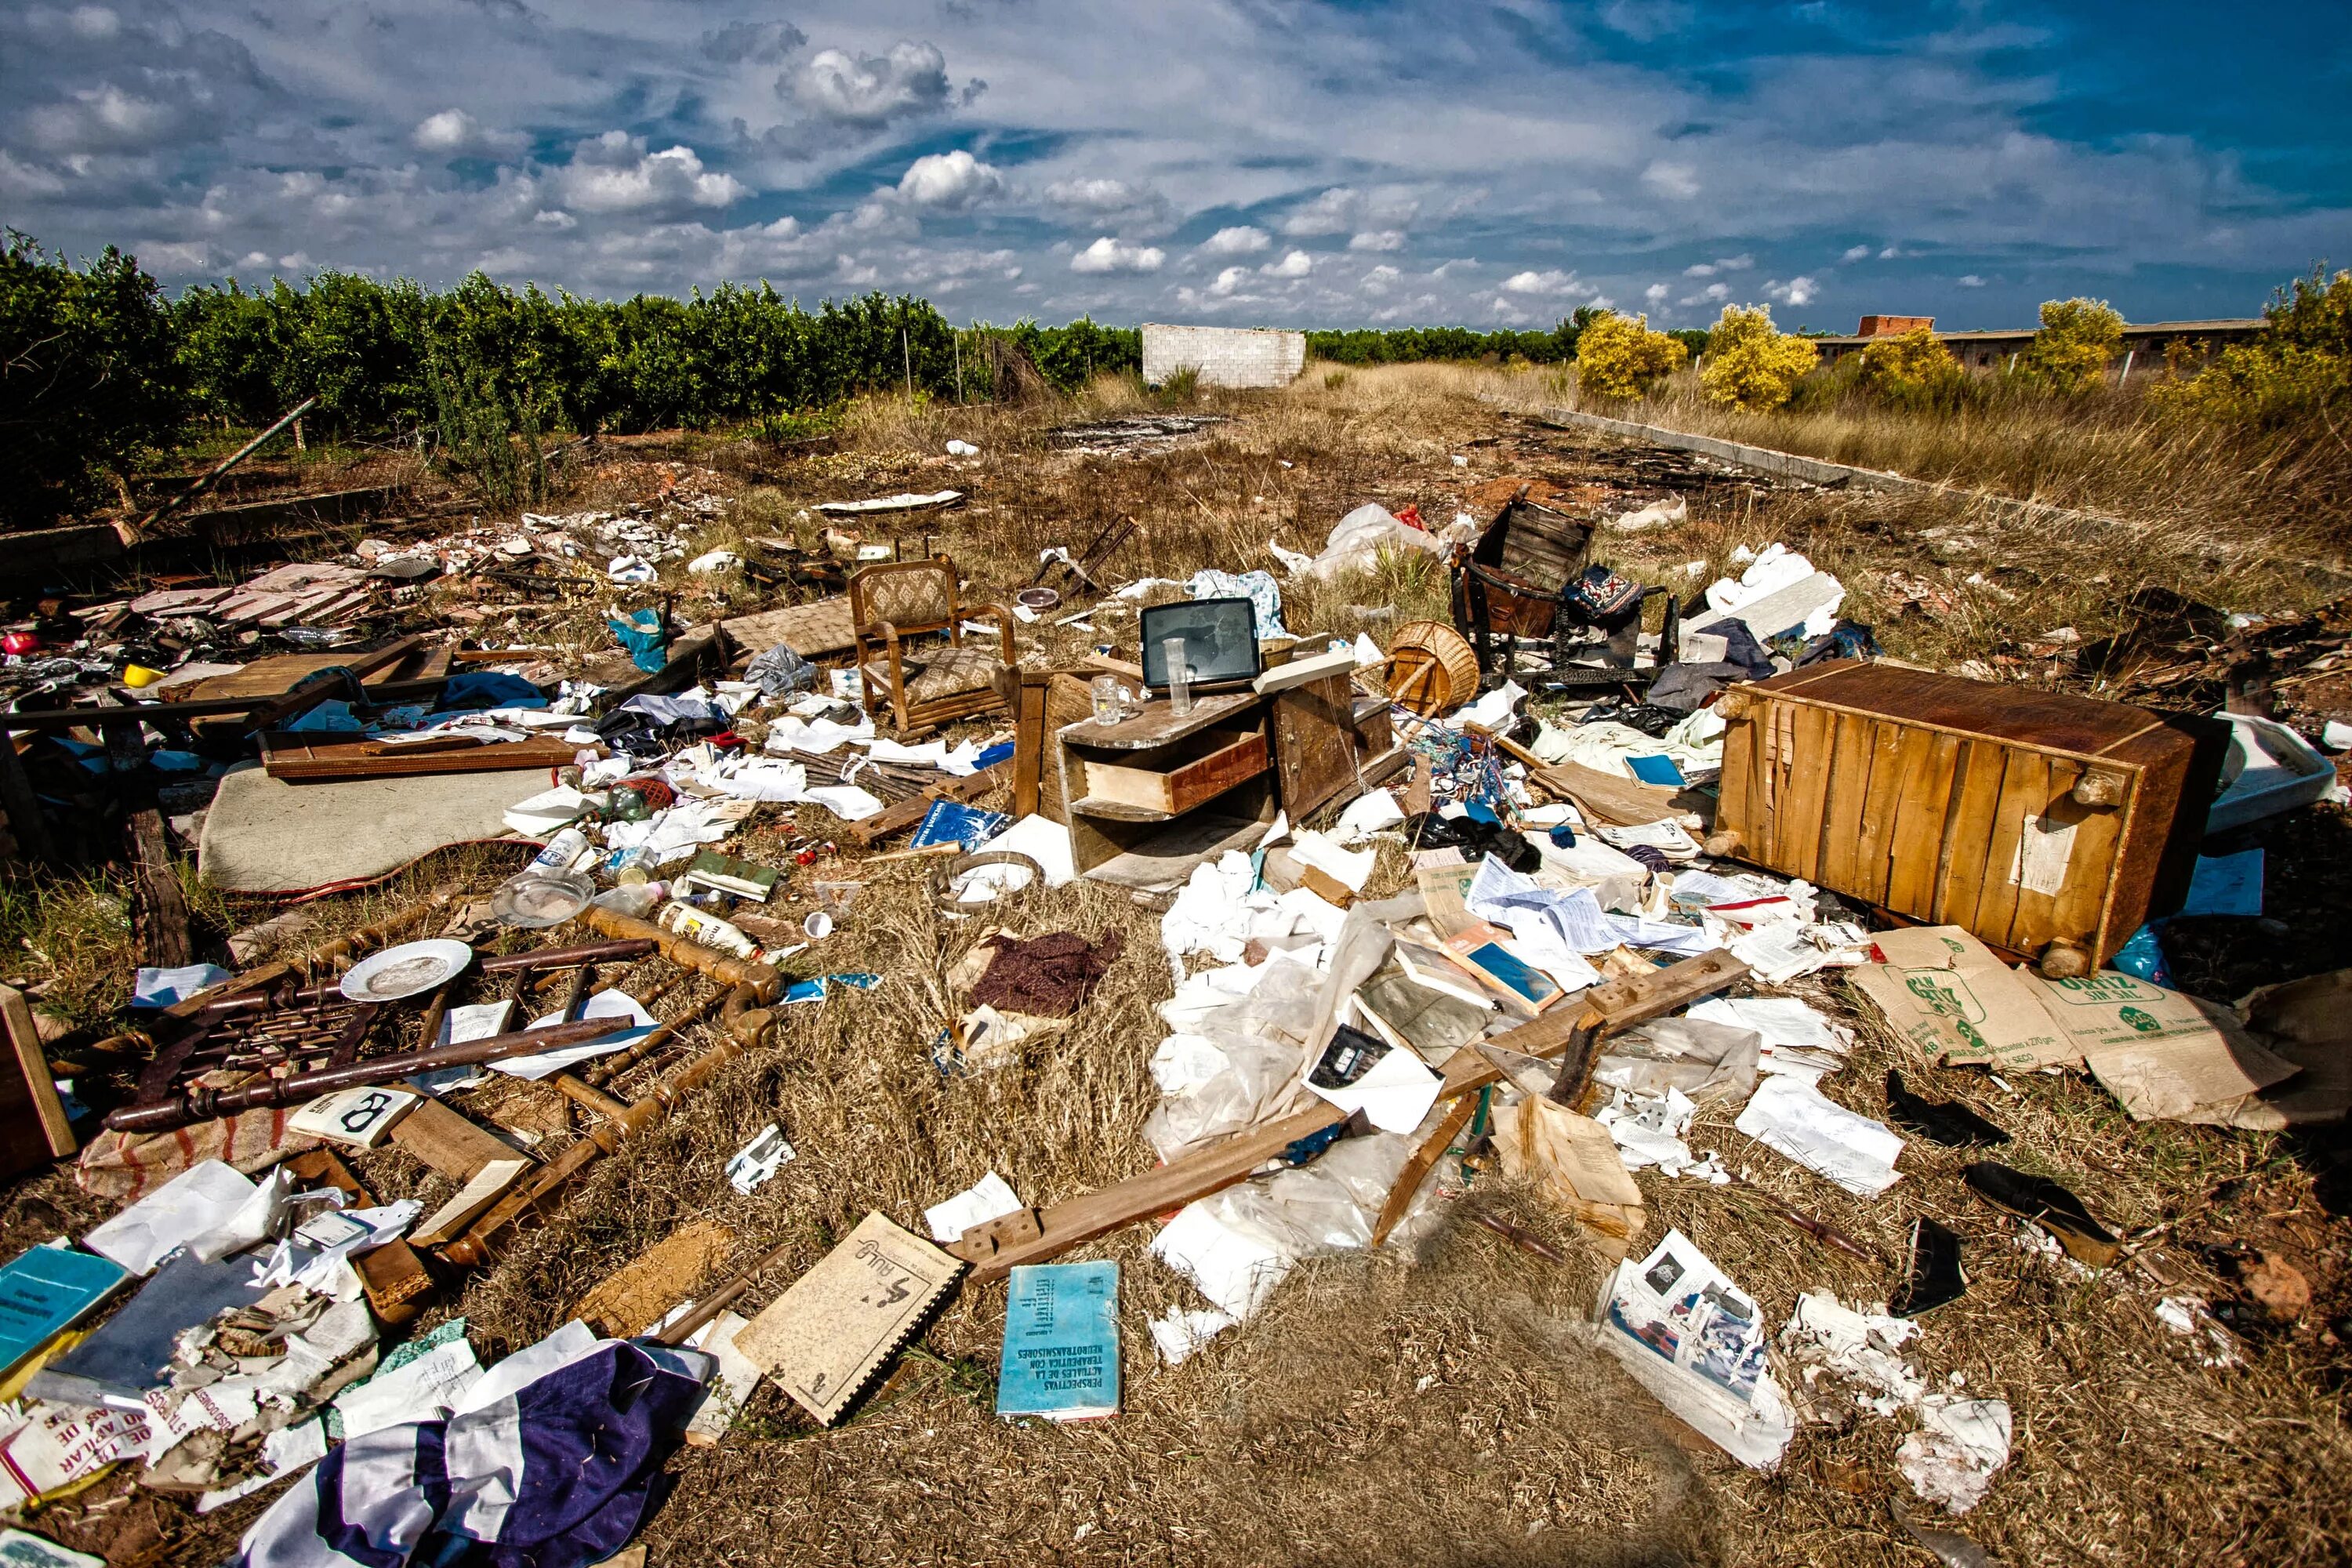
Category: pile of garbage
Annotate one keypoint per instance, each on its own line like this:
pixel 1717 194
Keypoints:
pixel 1600 945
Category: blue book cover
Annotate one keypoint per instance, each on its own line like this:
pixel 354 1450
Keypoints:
pixel 1657 770
pixel 952 822
pixel 47 1289
pixel 1061 1342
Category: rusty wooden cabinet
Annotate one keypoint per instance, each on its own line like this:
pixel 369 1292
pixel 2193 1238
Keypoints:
pixel 2047 824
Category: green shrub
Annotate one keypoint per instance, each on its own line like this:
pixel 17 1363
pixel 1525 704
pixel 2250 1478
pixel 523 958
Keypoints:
pixel 2300 368
pixel 1911 367
pixel 1751 365
pixel 2077 339
pixel 88 379
pixel 1619 356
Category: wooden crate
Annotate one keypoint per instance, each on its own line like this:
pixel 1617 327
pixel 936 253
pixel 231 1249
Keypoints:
pixel 2049 824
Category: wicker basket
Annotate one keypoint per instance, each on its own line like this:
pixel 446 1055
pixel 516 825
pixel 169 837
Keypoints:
pixel 1432 668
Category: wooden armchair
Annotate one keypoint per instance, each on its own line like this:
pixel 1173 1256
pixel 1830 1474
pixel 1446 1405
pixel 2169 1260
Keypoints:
pixel 932 683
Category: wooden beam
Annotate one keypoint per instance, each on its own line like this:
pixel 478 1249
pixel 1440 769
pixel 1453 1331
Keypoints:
pixel 449 1142
pixel 909 812
pixel 1573 1031
pixel 32 1117
pixel 162 906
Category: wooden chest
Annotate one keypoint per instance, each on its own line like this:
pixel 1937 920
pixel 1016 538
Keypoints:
pixel 2049 824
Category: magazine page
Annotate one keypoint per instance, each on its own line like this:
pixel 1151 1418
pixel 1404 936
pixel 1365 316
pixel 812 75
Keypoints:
pixel 1693 1338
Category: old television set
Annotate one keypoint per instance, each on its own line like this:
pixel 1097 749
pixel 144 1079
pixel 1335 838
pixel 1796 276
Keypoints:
pixel 1220 643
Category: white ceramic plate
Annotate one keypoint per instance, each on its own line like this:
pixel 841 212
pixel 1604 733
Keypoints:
pixel 409 970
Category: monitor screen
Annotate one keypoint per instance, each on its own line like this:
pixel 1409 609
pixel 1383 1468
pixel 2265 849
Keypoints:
pixel 1220 641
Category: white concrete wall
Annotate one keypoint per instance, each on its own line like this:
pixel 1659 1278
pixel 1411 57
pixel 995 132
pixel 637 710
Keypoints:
pixel 1225 356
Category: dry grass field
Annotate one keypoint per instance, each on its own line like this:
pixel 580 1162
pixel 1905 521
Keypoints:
pixel 1437 1407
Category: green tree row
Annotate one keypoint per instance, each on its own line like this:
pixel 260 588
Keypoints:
pixel 101 372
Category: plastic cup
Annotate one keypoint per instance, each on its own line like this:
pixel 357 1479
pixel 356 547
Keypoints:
pixel 1180 679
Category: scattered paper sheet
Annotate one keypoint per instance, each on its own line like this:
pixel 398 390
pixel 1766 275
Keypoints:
pixel 989 1198
pixel 759 1159
pixel 1394 1093
pixel 1178 1332
pixel 1792 1116
pixel 489 1186
pixel 632 1023
pixel 1960 1445
pixel 208 1208
pixel 421 1389
pixel 1693 1339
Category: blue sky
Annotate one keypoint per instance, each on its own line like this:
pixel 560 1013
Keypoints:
pixel 1239 161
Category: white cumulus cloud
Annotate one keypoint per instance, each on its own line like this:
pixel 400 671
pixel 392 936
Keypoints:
pixel 1108 255
pixel 1795 291
pixel 1377 239
pixel 874 89
pixel 616 172
pixel 1553 282
pixel 1230 279
pixel 1855 253
pixel 1297 264
pixel 1242 240
pixel 954 180
pixel 1679 180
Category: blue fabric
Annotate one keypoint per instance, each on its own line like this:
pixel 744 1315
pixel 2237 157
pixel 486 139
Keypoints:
pixel 591 1434
pixel 481 688
pixel 642 635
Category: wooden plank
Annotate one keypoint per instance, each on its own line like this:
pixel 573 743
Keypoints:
pixel 641 1292
pixel 449 1142
pixel 906 813
pixel 1175 790
pixel 1897 755
pixel 1314 742
pixel 1920 830
pixel 2087 869
pixel 2087 910
pixel 1605 798
pixel 1616 1005
pixel 299 757
pixel 1745 809
pixel 162 907
pixel 1805 789
pixel 2024 789
pixel 1848 763
pixel 280 673
pixel 1967 831
pixel 33 1129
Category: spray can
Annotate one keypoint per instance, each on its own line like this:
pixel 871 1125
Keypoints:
pixel 561 852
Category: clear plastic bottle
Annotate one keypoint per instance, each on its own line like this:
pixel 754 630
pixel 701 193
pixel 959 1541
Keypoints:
pixel 635 900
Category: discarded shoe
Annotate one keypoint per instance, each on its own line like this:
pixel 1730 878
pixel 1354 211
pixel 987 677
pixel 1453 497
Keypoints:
pixel 2047 1205
pixel 1933 1275
pixel 1945 1121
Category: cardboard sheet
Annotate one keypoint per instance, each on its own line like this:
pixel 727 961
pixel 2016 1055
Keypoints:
pixel 1944 991
pixel 2168 1057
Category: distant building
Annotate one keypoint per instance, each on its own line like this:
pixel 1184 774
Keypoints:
pixel 1225 356
pixel 2148 345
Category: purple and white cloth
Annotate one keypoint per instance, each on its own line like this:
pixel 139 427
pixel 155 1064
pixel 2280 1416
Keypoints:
pixel 547 1462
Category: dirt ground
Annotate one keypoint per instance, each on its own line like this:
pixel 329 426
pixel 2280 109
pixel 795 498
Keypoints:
pixel 1438 1407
